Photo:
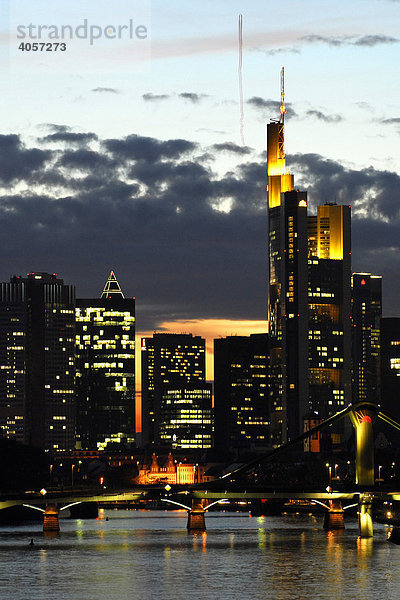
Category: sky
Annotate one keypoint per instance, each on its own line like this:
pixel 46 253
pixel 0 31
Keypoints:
pixel 125 153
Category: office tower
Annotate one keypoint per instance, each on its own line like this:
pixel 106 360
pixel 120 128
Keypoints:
pixel 37 370
pixel 287 297
pixel 185 416
pixel 241 392
pixel 366 319
pixel 176 400
pixel 308 299
pixel 329 294
pixel 105 368
pixel 390 366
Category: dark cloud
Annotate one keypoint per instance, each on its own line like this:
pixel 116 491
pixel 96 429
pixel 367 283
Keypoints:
pixel 391 121
pixel 374 40
pixel 149 97
pixel 17 162
pixel 274 51
pixel 272 106
pixel 231 147
pixel 350 40
pixel 192 97
pixel 70 137
pixel 146 148
pixel 186 241
pixel 85 160
pixel 324 117
pixel 106 90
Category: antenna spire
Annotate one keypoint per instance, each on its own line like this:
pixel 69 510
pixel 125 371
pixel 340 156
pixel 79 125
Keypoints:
pixel 283 108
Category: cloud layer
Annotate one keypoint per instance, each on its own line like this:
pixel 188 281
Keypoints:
pixel 187 242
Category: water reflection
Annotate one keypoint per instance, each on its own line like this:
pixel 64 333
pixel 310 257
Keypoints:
pixel 137 556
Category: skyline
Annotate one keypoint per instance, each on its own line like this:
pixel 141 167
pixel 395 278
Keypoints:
pixel 140 169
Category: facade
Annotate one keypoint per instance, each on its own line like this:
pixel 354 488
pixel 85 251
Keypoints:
pixel 329 306
pixel 176 400
pixel 105 368
pixel 37 356
pixel 309 300
pixel 241 392
pixel 366 320
pixel 390 366
pixel 171 472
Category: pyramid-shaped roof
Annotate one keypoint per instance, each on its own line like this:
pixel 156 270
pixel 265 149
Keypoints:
pixel 112 287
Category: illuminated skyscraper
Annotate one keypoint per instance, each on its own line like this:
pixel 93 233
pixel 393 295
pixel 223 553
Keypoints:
pixel 241 392
pixel 308 300
pixel 287 299
pixel 105 361
pixel 37 356
pixel 176 400
pixel 329 295
pixel 366 313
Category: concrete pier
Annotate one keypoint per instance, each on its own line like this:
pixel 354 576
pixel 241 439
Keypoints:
pixel 334 517
pixel 196 520
pixel 50 518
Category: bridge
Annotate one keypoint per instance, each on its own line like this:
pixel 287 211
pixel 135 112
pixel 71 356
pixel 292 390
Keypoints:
pixel 197 499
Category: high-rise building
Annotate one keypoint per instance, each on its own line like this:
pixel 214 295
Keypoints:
pixel 390 366
pixel 105 368
pixel 366 320
pixel 308 300
pixel 241 392
pixel 176 400
pixel 287 298
pixel 37 356
pixel 329 306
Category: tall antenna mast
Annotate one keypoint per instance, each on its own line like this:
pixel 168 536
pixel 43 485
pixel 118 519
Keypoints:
pixel 281 132
pixel 283 109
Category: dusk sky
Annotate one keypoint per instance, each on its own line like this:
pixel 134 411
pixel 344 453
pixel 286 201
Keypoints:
pixel 126 154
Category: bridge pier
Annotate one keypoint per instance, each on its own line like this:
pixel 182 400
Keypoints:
pixel 365 525
pixel 50 518
pixel 334 517
pixel 196 520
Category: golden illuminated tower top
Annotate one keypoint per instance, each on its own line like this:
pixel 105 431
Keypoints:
pixel 279 179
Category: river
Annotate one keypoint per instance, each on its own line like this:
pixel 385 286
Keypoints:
pixel 148 555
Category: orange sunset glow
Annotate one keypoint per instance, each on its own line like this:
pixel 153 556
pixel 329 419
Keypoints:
pixel 206 328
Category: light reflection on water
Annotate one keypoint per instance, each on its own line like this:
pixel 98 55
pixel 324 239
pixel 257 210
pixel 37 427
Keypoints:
pixel 149 555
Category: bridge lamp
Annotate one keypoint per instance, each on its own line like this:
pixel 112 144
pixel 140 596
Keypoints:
pixel 43 492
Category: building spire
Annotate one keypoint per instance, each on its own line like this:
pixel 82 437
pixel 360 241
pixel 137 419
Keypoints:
pixel 112 287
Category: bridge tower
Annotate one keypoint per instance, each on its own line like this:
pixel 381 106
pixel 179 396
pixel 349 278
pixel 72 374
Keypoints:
pixel 362 418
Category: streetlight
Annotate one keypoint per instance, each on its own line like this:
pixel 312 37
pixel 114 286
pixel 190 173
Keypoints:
pixel 51 475
pixel 72 475
pixel 330 472
pixel 336 475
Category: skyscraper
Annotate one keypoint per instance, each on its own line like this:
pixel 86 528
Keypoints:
pixel 329 310
pixel 176 400
pixel 241 392
pixel 37 356
pixel 366 319
pixel 287 298
pixel 105 361
pixel 308 300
